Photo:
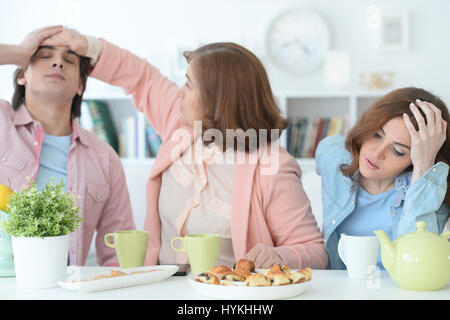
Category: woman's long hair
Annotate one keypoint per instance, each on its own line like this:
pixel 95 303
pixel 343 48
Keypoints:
pixel 235 91
pixel 394 105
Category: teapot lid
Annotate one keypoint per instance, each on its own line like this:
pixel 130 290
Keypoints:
pixel 420 225
pixel 421 232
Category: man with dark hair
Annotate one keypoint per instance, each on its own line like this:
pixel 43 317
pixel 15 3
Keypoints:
pixel 40 139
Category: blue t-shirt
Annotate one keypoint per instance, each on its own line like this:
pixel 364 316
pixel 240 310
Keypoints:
pixel 53 162
pixel 372 212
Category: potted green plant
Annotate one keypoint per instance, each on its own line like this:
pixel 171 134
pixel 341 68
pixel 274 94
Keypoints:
pixel 40 223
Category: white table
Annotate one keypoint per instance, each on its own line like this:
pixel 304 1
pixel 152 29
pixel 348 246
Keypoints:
pixel 325 285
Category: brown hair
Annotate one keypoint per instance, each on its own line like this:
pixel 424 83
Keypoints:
pixel 235 91
pixel 393 105
pixel 19 90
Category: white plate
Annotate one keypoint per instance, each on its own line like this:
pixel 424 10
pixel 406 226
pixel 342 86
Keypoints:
pixel 161 273
pixel 241 292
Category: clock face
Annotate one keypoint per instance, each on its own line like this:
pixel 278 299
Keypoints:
pixel 298 40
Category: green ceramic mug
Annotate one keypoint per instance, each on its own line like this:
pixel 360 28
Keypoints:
pixel 202 250
pixel 130 245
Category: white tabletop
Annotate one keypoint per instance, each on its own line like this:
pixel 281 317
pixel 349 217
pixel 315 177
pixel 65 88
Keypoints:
pixel 325 285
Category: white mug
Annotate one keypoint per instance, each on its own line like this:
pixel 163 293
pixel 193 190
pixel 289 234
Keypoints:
pixel 359 255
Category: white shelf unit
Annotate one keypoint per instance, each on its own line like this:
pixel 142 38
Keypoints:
pixel 313 103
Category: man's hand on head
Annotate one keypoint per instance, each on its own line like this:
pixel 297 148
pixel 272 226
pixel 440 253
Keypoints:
pixel 75 41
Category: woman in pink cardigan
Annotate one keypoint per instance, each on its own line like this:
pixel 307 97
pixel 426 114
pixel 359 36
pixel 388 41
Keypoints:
pixel 207 178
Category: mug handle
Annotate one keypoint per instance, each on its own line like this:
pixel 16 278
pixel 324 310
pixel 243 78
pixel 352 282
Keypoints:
pixel 341 249
pixel 108 242
pixel 182 249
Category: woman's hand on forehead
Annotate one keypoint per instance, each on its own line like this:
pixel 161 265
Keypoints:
pixel 28 47
pixel 69 38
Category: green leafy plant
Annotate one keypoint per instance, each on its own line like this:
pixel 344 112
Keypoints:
pixel 51 212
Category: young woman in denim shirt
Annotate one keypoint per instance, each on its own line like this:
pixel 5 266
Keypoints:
pixel 390 172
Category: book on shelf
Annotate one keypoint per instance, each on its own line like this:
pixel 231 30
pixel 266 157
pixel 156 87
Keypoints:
pixel 138 139
pixel 153 140
pixel 96 118
pixel 304 134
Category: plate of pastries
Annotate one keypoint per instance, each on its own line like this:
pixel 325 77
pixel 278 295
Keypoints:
pixel 243 281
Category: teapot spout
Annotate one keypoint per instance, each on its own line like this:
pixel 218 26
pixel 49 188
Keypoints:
pixel 388 251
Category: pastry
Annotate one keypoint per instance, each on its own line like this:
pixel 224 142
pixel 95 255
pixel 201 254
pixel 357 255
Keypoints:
pixel 218 270
pixel 276 268
pixel 145 271
pixel 286 270
pixel 279 279
pixel 117 273
pixel 227 283
pixel 232 276
pixel 207 277
pixel 245 264
pixel 307 272
pixel 138 272
pixel 112 274
pixel 102 276
pixel 243 273
pixel 297 277
pixel 257 280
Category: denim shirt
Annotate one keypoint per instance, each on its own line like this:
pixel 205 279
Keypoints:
pixel 421 201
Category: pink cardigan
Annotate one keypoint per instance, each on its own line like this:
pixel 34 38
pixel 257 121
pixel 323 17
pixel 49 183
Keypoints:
pixel 271 209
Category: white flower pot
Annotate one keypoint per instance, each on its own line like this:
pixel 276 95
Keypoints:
pixel 40 262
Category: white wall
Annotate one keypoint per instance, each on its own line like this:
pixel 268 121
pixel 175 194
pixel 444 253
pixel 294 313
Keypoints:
pixel 153 29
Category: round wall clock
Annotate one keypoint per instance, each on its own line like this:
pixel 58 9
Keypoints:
pixel 297 40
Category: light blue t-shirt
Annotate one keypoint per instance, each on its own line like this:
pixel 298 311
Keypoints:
pixel 53 161
pixel 372 212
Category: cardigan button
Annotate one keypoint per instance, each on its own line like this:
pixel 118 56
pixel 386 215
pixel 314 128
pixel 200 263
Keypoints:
pixel 4 159
pixel 333 222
